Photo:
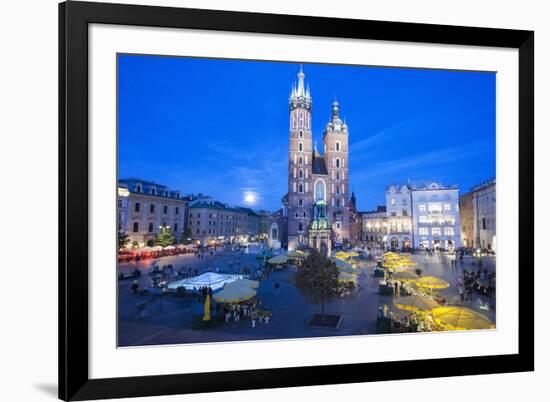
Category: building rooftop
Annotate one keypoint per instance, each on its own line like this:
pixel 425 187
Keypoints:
pixel 140 186
pixel 319 166
pixel 485 184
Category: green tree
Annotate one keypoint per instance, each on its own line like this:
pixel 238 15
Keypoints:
pixel 186 236
pixel 150 243
pixel 122 239
pixel 317 280
pixel 165 237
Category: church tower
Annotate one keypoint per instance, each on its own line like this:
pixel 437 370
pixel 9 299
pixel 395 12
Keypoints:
pixel 335 140
pixel 299 163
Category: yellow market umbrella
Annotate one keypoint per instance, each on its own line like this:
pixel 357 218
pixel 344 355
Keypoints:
pixel 342 255
pixel 244 282
pixel 353 254
pixel 390 265
pixel 407 261
pixel 456 318
pixel 278 259
pixel 345 277
pixel 206 316
pixel 415 303
pixel 431 282
pixel 234 294
pixel 405 276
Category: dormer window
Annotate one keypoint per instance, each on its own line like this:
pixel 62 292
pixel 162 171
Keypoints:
pixel 138 188
pixel 153 191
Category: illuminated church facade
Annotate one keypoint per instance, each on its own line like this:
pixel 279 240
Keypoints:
pixel 318 200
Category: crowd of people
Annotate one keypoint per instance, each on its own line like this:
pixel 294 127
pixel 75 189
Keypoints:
pixel 247 310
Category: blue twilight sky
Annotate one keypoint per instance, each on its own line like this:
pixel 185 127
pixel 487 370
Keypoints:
pixel 221 127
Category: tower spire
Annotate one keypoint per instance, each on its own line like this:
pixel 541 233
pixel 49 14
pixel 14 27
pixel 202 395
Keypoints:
pixel 300 94
pixel 301 87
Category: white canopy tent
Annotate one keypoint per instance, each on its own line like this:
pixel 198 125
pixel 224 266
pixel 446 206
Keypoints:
pixel 210 279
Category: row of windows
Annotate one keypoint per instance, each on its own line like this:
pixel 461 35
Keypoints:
pixel 403 201
pixel 227 217
pixel 404 212
pixel 448 231
pixel 213 223
pixel 151 227
pixel 434 208
pixel 449 219
pixel 153 191
pixel 137 208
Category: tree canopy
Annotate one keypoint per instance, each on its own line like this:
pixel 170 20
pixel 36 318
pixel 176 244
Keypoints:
pixel 317 280
pixel 165 237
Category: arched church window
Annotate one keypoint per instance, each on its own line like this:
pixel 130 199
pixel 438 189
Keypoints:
pixel 300 147
pixel 320 190
pixel 338 145
pixel 337 175
pixel 304 214
pixel 300 174
pixel 301 119
pixel 296 215
pixel 301 133
pixel 337 162
pixel 300 188
pixel 300 160
pixel 300 227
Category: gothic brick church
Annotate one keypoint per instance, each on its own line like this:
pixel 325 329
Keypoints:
pixel 318 199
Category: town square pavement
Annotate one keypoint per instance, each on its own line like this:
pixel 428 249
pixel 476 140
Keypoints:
pixel 149 320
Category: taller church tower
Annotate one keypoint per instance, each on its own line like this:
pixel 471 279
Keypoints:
pixel 300 160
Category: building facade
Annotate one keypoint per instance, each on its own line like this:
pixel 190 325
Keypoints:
pixel 212 221
pixel 252 223
pixel 317 199
pixel 143 207
pixel 423 216
pixel 484 201
pixel 399 219
pixel 374 228
pixel 466 203
pixel 263 224
pixel 435 217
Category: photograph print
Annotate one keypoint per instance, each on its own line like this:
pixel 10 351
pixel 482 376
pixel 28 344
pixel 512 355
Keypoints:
pixel 281 199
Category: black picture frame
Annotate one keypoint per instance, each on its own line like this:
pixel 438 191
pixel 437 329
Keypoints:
pixel 74 18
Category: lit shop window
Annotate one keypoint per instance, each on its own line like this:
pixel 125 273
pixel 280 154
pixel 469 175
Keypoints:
pixel 447 207
pixel 436 231
pixel 423 231
pixel 423 219
pixel 449 231
pixel 422 208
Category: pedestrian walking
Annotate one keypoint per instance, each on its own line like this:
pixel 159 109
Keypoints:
pixel 276 287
